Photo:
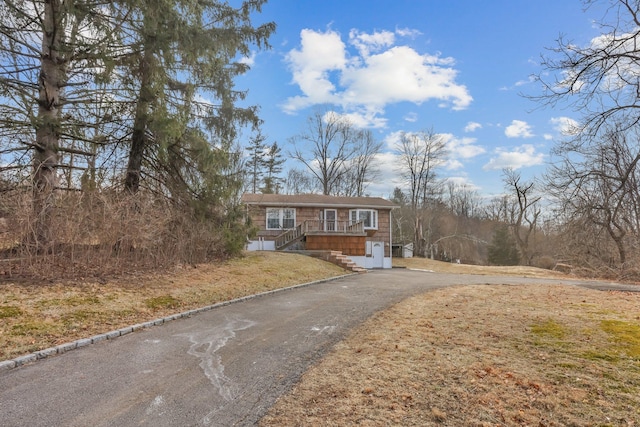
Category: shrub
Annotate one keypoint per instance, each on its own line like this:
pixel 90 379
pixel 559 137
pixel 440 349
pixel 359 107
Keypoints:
pixel 547 262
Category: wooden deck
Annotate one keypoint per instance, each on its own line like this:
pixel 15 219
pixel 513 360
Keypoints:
pixel 332 231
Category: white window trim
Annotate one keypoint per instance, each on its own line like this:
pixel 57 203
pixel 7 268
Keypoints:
pixel 374 215
pixel 281 212
pixel 329 225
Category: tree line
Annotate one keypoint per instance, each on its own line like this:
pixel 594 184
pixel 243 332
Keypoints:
pixel 587 217
pixel 591 211
pixel 120 129
pixel 128 102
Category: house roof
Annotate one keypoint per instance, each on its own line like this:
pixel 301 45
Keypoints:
pixel 316 200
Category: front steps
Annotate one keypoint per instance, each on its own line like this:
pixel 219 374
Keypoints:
pixel 335 257
pixel 341 260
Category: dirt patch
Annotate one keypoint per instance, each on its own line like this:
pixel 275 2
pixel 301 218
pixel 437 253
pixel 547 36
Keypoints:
pixel 481 356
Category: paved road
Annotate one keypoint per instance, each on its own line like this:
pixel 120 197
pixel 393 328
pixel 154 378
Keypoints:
pixel 222 367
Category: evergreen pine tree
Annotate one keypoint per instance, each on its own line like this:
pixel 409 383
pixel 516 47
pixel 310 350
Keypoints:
pixel 255 164
pixel 503 250
pixel 273 167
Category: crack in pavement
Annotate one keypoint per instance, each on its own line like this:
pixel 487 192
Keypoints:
pixel 205 345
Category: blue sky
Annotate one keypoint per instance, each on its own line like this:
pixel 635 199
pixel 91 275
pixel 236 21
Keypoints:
pixel 458 67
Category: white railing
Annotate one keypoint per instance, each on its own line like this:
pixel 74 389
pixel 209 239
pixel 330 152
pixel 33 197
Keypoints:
pixel 339 227
pixel 318 226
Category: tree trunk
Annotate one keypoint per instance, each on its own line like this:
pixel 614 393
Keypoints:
pixel 419 243
pixel 618 239
pixel 140 124
pixel 136 152
pixel 45 160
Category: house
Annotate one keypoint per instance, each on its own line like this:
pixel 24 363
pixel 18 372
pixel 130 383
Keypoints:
pixel 359 227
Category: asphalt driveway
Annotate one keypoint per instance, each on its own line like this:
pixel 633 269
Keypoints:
pixel 223 367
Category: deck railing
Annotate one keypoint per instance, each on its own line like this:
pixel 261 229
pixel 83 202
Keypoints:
pixel 289 236
pixel 338 227
pixel 318 226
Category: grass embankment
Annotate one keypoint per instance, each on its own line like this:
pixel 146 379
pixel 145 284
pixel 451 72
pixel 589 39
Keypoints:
pixel 481 356
pixel 446 267
pixel 35 316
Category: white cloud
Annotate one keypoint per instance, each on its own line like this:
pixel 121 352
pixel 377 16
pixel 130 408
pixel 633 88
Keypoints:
pixel 459 149
pixel 517 84
pixel 248 60
pixel 388 175
pixel 411 117
pixel 453 164
pixel 363 119
pixel 367 43
pixel 378 73
pixel 392 140
pixel 530 79
pixel 402 74
pixel 319 54
pixel 472 127
pixel 519 157
pixel 408 32
pixel 571 82
pixel 518 129
pixel 564 125
pixel 462 148
pixel 463 182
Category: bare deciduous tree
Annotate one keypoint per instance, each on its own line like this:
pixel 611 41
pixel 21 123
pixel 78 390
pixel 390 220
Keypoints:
pixel 338 155
pixel 360 169
pixel 324 148
pixel 463 200
pixel 402 218
pixel 420 156
pixel 594 178
pixel 599 184
pixel 497 209
pixel 523 212
pixel 298 182
pixel 601 81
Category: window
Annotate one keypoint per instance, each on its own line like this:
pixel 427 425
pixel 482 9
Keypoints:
pixel 368 216
pixel 278 218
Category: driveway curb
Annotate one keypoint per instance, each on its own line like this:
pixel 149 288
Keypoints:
pixel 111 335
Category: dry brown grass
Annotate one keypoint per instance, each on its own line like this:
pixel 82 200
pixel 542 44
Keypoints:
pixel 447 267
pixel 481 356
pixel 475 355
pixel 35 316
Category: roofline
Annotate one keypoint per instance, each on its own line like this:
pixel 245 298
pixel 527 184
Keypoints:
pixel 317 205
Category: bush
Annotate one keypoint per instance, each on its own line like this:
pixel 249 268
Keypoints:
pixel 97 233
pixel 547 262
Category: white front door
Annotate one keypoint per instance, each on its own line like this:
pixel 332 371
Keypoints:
pixel 377 254
pixel 330 219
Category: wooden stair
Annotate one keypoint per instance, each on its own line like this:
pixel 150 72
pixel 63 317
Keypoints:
pixel 289 237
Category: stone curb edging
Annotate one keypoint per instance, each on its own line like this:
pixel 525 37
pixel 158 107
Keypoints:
pixel 6 365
